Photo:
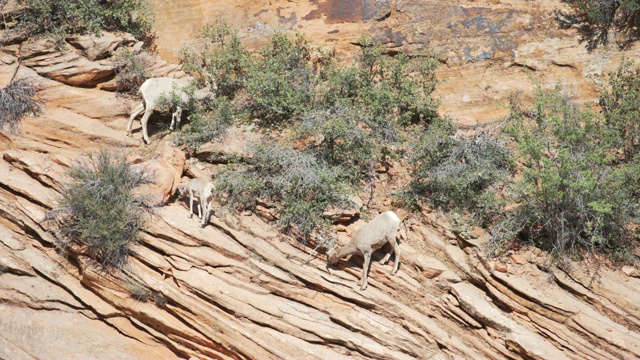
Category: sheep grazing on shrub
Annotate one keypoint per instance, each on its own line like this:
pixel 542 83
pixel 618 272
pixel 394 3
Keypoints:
pixel 152 91
pixel 370 237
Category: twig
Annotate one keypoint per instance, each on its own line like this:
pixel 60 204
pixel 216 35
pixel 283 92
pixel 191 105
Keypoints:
pixel 310 257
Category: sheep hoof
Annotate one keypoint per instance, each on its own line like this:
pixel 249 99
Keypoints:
pixel 190 216
pixel 392 273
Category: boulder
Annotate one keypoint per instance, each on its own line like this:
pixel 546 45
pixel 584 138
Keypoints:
pixel 96 47
pixel 70 68
pixel 167 166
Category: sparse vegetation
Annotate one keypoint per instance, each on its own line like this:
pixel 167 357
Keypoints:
pixel 344 119
pixel 137 290
pixel 131 70
pixel 341 139
pixel 457 174
pixel 281 83
pixel 619 101
pixel 207 125
pixel 17 100
pixel 596 20
pixel 301 185
pixel 571 197
pixel 224 57
pixel 99 208
pixel 59 18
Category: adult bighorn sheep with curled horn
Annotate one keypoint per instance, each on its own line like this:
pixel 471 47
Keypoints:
pixel 152 90
pixel 370 237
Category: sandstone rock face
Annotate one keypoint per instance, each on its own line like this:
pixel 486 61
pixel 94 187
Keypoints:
pixel 237 289
pixel 95 47
pixel 489 49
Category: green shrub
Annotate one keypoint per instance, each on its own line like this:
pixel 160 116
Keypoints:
pixel 208 125
pixel 59 18
pixel 458 174
pixel 343 140
pixel 570 198
pixel 597 20
pixel 168 101
pixel 224 57
pixel 100 209
pixel 603 13
pixel 393 90
pixel 620 107
pixel 131 70
pixel 346 118
pixel 18 99
pixel 281 82
pixel 302 185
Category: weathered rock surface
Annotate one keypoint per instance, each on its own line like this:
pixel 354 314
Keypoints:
pixel 236 288
pixel 489 49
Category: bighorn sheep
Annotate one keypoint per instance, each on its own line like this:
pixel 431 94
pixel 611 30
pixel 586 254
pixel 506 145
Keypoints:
pixel 203 190
pixel 370 237
pixel 152 91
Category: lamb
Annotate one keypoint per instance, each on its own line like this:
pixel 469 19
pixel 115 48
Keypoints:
pixel 152 91
pixel 369 238
pixel 203 190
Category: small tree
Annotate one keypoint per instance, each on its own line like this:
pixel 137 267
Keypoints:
pixel 621 109
pixel 570 197
pixel 281 82
pixel 100 210
pixel 224 57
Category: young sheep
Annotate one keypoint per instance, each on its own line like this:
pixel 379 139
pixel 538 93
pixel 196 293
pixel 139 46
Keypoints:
pixel 152 91
pixel 203 190
pixel 370 237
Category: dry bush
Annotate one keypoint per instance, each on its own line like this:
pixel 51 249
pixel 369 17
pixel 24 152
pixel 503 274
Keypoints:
pixel 17 100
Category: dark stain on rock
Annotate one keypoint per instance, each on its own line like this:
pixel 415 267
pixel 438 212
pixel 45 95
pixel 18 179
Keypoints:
pixel 349 11
pixel 389 37
pixel 291 20
pixel 333 31
pixel 260 12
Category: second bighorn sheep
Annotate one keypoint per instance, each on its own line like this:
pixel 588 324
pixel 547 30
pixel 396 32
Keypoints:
pixel 202 190
pixel 152 91
pixel 370 237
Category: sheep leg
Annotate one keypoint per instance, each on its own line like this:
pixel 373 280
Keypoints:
pixel 191 205
pixel 386 257
pixel 175 118
pixel 396 250
pixel 144 121
pixel 200 208
pixel 365 271
pixel 134 113
pixel 205 216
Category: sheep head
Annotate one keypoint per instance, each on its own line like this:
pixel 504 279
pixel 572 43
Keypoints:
pixel 332 256
pixel 182 188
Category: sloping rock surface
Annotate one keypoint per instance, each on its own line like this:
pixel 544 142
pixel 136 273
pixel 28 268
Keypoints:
pixel 237 289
